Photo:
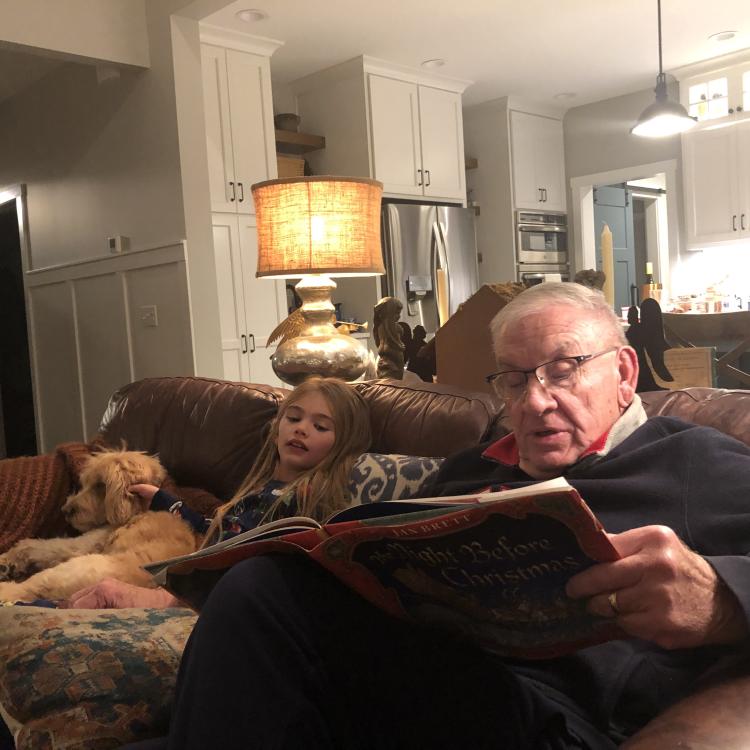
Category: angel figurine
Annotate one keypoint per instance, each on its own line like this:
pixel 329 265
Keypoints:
pixel 387 333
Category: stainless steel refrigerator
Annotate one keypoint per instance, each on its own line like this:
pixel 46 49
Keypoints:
pixel 430 256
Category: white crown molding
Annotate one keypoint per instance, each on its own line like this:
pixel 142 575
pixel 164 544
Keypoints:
pixel 713 64
pixel 221 37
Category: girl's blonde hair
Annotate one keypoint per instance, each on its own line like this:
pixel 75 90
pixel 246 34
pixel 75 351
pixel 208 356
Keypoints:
pixel 323 489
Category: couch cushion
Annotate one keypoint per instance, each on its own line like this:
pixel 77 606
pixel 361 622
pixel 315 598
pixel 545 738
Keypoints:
pixel 376 477
pixel 428 419
pixel 725 409
pixel 85 679
pixel 206 432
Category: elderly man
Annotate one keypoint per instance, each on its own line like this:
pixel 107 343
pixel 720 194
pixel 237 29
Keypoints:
pixel 285 656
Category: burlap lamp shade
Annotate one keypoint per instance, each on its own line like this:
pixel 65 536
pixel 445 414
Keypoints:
pixel 317 227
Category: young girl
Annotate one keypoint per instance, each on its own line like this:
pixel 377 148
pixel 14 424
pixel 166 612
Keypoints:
pixel 301 470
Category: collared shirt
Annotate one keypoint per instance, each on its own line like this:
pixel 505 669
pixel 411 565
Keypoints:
pixel 505 450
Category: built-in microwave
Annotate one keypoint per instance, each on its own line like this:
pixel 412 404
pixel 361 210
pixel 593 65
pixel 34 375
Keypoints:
pixel 541 237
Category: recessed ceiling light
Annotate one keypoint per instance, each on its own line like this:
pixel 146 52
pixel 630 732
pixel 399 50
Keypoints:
pixel 251 15
pixel 436 62
pixel 722 36
pixel 565 95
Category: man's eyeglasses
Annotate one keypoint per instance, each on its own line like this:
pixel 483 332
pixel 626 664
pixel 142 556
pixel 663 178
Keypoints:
pixel 558 374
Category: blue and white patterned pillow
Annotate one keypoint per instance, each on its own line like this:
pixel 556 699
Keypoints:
pixel 376 477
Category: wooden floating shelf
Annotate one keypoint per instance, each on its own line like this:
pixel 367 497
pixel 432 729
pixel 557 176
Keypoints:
pixel 288 142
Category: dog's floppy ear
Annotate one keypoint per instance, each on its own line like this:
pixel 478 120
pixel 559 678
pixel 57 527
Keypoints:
pixel 119 504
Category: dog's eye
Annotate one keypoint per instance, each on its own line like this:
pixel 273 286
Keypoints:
pixel 100 488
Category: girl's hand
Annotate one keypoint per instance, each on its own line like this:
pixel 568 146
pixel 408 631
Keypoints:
pixel 146 491
pixel 113 594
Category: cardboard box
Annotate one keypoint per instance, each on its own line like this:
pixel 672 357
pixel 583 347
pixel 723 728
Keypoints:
pixel 290 166
pixel 463 347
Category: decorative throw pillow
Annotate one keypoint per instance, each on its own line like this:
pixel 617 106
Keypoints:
pixel 89 679
pixel 378 476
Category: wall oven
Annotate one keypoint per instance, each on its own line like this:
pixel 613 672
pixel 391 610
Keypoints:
pixel 541 238
pixel 531 273
pixel 541 247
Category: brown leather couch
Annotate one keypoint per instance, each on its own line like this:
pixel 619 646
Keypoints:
pixel 207 433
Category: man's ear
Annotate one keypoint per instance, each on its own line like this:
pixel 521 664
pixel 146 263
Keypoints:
pixel 627 363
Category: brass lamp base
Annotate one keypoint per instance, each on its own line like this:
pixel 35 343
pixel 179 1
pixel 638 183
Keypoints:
pixel 319 349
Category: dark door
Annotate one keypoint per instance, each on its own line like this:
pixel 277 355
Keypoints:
pixel 16 393
pixel 614 206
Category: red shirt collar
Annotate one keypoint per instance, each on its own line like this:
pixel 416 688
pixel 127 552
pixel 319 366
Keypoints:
pixel 505 450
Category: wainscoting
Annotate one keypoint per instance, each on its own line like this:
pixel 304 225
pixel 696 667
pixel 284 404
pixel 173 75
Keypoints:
pixel 98 324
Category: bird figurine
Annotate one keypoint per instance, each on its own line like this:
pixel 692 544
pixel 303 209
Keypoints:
pixel 289 328
pixel 294 324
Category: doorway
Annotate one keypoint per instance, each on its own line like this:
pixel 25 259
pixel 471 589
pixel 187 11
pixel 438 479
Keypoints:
pixel 613 206
pixel 17 422
pixel 653 193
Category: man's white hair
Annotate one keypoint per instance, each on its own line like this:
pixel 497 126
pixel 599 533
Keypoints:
pixel 538 298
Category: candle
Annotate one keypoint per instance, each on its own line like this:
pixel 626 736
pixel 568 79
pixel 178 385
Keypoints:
pixel 442 295
pixel 649 268
pixel 608 264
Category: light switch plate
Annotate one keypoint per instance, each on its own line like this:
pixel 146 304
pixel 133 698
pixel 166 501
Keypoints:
pixel 148 316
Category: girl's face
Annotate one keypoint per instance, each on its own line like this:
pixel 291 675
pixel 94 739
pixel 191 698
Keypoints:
pixel 306 436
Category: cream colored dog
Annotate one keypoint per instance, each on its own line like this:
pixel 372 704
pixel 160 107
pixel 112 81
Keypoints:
pixel 120 534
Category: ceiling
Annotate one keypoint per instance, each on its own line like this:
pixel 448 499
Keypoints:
pixel 535 49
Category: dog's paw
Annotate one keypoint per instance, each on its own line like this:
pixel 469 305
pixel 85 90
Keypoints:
pixel 10 592
pixel 6 569
pixel 22 560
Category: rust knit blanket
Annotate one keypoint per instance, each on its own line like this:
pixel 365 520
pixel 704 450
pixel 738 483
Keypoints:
pixel 32 491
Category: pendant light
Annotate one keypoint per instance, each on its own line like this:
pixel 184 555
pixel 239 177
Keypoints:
pixel 663 117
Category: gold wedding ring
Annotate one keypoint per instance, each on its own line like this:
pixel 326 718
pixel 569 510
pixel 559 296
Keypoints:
pixel 612 599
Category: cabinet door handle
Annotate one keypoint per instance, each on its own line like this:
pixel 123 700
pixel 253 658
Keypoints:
pixel 419 178
pixel 242 191
pixel 541 195
pixel 544 190
pixel 734 222
pixel 234 194
pixel 742 222
pixel 243 339
pixel 427 172
pixel 251 339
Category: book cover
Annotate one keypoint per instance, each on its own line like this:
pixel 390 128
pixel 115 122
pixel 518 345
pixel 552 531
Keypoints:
pixel 491 567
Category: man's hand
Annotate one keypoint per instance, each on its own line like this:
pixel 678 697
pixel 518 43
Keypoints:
pixel 664 592
pixel 110 593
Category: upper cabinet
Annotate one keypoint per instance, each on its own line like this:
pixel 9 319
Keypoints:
pixel 717 88
pixel 239 125
pixel 538 162
pixel 417 138
pixel 717 183
pixel 393 124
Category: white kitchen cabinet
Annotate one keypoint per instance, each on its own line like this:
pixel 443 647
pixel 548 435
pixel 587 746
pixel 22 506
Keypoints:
pixel 249 308
pixel 417 138
pixel 717 184
pixel 241 148
pixel 538 162
pixel 239 125
pixel 398 125
pixel 716 89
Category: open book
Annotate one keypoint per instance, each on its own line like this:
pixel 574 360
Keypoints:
pixel 490 566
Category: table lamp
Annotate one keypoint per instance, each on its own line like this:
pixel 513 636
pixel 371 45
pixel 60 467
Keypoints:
pixel 316 228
